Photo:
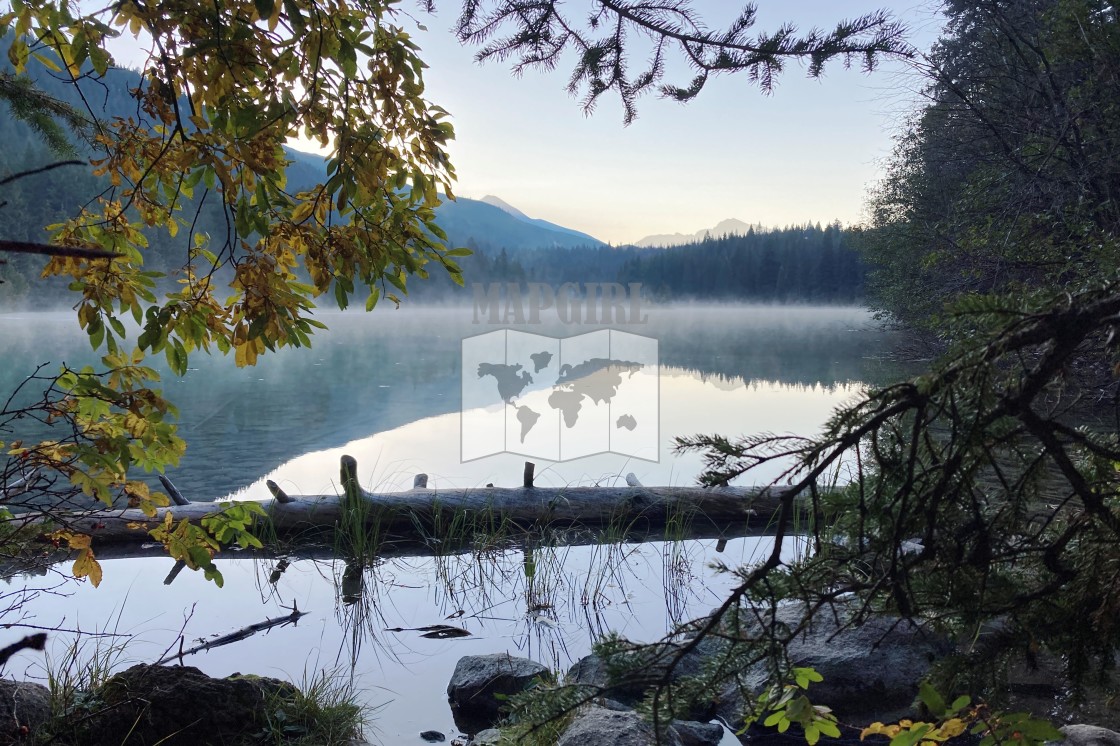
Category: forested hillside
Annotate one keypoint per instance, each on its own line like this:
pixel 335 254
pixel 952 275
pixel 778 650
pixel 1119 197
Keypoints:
pixel 801 264
pixel 1006 181
pixel 805 264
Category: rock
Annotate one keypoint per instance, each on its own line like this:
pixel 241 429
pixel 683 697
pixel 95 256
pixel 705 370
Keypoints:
pixel 871 672
pixel 644 666
pixel 694 733
pixel 433 736
pixel 476 681
pixel 22 705
pixel 597 726
pixel 488 737
pixel 1089 735
pixel 180 705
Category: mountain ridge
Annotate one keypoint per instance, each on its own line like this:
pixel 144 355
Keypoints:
pixel 509 209
pixel 728 227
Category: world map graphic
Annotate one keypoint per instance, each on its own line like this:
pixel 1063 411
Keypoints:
pixel 596 380
pixel 560 398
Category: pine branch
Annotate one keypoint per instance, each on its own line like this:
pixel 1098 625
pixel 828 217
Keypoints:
pixel 535 33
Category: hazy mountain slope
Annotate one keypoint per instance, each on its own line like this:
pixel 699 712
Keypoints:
pixel 471 221
pixel 506 207
pixel 729 227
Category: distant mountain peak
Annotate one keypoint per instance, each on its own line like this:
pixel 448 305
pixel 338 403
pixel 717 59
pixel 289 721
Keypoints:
pixel 504 206
pixel 728 227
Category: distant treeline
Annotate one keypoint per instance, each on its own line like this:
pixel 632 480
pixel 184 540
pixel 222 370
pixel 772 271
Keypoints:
pixel 801 264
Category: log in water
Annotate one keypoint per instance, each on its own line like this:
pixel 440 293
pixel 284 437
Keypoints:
pixel 422 513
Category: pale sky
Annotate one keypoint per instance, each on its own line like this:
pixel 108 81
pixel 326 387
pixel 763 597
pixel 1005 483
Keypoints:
pixel 805 153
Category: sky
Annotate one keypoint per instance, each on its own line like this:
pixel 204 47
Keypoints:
pixel 805 153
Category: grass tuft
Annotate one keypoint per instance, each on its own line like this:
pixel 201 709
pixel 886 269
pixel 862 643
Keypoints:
pixel 325 712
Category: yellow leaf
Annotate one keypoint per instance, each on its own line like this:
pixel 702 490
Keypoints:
pixel 87 566
pixel 302 212
pixel 952 728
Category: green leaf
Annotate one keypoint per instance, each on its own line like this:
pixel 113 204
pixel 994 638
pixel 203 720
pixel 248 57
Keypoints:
pixel 931 699
pixel 96 332
pixel 176 357
pixel 100 59
pixel 265 8
pixel 118 327
pixel 828 728
pixel 295 18
pixel 806 675
pixel 340 296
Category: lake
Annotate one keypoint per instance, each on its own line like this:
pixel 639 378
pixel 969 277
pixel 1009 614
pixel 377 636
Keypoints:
pixel 390 389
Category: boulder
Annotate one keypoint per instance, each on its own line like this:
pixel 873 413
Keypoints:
pixel 624 677
pixel 476 681
pixel 695 733
pixel 598 726
pixel 24 708
pixel 488 737
pixel 871 671
pixel 180 705
pixel 1089 735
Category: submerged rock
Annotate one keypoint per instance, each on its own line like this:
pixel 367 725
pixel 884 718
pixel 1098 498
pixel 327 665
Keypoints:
pixel 622 678
pixel 479 678
pixel 871 671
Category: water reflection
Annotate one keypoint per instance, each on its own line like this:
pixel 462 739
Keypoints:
pixel 365 622
pixel 389 460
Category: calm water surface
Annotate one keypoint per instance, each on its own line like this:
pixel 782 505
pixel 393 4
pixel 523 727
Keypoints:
pixel 386 388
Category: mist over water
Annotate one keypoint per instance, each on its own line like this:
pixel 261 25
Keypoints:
pixel 391 379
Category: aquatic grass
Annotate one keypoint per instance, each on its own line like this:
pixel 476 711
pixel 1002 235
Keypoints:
pixel 74 676
pixel 679 518
pixel 678 581
pixel 323 712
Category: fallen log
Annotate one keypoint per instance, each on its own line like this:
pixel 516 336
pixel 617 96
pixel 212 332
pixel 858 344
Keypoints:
pixel 450 515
